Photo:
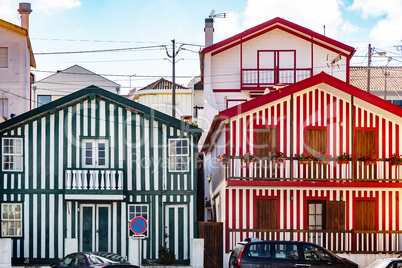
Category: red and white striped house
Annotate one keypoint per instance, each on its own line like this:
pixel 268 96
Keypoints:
pixel 352 208
pixel 280 87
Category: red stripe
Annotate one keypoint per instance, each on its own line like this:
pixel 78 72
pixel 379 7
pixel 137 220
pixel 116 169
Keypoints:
pixel 316 110
pixel 347 118
pixel 310 108
pixel 390 210
pixel 383 210
pixel 297 130
pixel 227 216
pixel 247 209
pixel 240 209
pixel 322 109
pixel 284 133
pixel 397 211
pixel 241 136
pixel 397 139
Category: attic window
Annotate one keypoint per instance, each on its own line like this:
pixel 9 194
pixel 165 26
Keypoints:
pixel 3 57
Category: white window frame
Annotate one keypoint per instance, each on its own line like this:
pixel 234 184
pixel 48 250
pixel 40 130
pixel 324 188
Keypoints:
pixel 174 156
pixel 132 213
pixel 95 155
pixel 5 228
pixel 13 155
pixel 3 57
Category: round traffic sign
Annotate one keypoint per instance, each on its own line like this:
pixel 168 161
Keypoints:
pixel 139 225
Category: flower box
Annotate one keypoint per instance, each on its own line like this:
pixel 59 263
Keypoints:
pixel 341 162
pixel 304 162
pixel 321 162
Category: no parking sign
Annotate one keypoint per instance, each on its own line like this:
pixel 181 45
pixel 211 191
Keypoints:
pixel 139 225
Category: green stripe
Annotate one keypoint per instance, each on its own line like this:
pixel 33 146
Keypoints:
pixel 39 223
pixel 56 151
pixel 134 150
pixel 151 154
pixel 89 117
pixel 47 202
pixel 171 234
pixel 56 226
pixel 73 220
pixel 142 150
pixel 38 154
pixel 181 232
pixel 97 116
pixel 160 154
pixel 47 154
pixel 73 136
pixel 118 234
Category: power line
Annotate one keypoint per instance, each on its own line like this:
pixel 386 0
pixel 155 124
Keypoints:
pixel 159 47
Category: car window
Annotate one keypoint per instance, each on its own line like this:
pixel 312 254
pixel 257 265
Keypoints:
pixel 396 264
pixel 259 251
pixel 286 251
pixel 99 258
pixel 66 261
pixel 237 250
pixel 313 253
pixel 79 261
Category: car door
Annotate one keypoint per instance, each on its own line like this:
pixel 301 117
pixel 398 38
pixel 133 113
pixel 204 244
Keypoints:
pixel 286 254
pixel 314 256
pixel 257 255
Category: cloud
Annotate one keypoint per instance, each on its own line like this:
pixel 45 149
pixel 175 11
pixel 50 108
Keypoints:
pixel 52 5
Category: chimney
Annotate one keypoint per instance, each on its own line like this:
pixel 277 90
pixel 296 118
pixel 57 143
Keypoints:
pixel 25 10
pixel 209 31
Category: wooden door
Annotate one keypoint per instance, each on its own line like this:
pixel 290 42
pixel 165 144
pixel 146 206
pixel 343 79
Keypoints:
pixel 365 145
pixel 316 141
pixel 266 214
pixel 265 142
pixel 365 212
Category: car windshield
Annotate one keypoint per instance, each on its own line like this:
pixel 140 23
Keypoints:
pixel 100 258
pixel 379 264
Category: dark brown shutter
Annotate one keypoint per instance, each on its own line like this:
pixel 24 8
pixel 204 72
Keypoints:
pixel 365 142
pixel 316 141
pixel 266 141
pixel 365 215
pixel 3 57
pixel 266 214
pixel 335 215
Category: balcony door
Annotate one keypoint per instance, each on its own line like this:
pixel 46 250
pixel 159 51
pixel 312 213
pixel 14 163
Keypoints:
pixel 95 227
pixel 95 153
pixel 276 67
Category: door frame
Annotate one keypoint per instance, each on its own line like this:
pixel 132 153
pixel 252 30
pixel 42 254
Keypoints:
pixel 186 226
pixel 95 225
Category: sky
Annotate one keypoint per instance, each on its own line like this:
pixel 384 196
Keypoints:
pixel 130 41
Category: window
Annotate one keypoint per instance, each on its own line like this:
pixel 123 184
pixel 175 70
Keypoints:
pixel 316 141
pixel 316 219
pixel 95 153
pixel 314 253
pixel 178 155
pixel 11 220
pixel 286 251
pixel 3 57
pixel 44 99
pixel 138 210
pixel 262 250
pixel 12 154
pixel 265 141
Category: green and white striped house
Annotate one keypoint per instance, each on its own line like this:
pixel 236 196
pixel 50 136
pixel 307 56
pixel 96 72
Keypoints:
pixel 77 170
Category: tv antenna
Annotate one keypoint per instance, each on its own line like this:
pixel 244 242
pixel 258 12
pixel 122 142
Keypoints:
pixel 214 15
pixel 331 62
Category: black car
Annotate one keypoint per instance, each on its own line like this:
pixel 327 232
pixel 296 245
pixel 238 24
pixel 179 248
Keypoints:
pixel 93 259
pixel 274 254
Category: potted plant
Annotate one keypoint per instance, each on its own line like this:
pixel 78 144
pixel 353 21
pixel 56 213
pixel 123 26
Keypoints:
pixel 249 157
pixel 368 159
pixel 395 160
pixel 304 158
pixel 223 158
pixel 209 178
pixel 323 158
pixel 344 158
pixel 278 157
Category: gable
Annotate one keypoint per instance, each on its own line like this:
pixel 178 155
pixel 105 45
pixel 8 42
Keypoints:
pixel 284 25
pixel 97 97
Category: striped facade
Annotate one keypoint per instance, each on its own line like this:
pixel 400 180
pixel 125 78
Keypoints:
pixel 325 103
pixel 60 196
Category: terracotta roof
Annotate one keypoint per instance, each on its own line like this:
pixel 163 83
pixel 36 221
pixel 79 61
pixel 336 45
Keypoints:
pixel 358 77
pixel 284 25
pixel 162 84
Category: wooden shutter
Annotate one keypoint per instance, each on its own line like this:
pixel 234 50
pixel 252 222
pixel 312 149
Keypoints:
pixel 3 57
pixel 365 142
pixel 365 215
pixel 316 141
pixel 266 141
pixel 266 214
pixel 335 215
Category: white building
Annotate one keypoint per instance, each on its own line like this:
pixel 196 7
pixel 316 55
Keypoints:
pixel 66 82
pixel 16 58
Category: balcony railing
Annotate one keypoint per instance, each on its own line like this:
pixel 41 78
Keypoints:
pixel 93 179
pixel 342 241
pixel 262 78
pixel 267 169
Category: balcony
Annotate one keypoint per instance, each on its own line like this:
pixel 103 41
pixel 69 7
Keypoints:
pixel 264 169
pixel 94 179
pixel 263 78
pixel 342 241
